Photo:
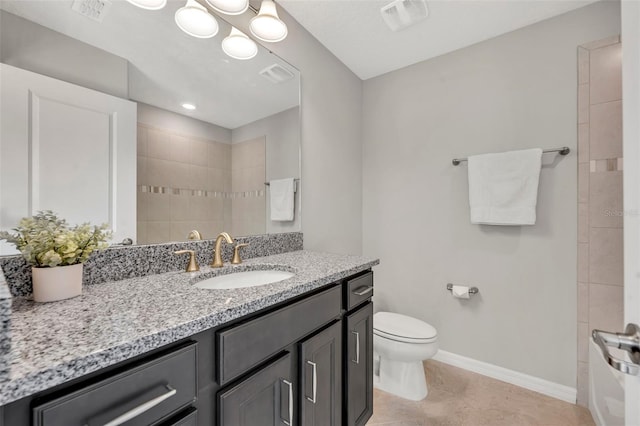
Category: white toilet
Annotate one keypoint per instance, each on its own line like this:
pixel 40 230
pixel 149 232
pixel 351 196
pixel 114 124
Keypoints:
pixel 400 344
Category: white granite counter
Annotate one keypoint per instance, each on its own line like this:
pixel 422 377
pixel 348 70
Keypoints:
pixel 53 343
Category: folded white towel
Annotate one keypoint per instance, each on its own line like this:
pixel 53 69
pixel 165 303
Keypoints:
pixel 282 194
pixel 503 188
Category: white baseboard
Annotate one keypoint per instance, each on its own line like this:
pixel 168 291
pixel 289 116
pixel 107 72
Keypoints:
pixel 545 387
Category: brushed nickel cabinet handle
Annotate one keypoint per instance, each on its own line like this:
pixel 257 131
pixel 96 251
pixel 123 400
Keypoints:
pixel 357 360
pixel 290 385
pixel 142 408
pixel 314 382
pixel 361 291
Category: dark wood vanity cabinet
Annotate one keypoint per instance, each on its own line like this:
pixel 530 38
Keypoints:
pixel 320 367
pixel 265 398
pixel 359 366
pixel 143 395
pixel 307 362
pixel 358 351
pixel 286 392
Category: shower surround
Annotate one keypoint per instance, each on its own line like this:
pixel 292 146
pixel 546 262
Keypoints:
pixel 600 209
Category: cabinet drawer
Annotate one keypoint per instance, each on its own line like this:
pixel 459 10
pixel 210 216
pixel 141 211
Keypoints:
pixel 358 290
pixel 145 394
pixel 244 346
pixel 187 417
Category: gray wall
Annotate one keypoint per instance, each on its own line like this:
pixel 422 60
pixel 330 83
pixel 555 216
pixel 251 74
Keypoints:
pixel 33 47
pixel 331 114
pixel 282 133
pixel 512 92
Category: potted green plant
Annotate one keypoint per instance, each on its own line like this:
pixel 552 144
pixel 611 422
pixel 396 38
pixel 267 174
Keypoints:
pixel 56 253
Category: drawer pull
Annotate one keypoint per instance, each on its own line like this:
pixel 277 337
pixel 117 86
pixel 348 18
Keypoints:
pixel 314 382
pixel 361 291
pixel 142 408
pixel 357 360
pixel 290 385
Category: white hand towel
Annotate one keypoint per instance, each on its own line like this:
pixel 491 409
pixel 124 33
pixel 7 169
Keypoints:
pixel 282 194
pixel 503 188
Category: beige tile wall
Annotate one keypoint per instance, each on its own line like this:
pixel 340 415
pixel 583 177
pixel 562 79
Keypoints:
pixel 183 184
pixel 248 174
pixel 600 250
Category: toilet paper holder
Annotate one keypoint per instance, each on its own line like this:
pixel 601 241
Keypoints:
pixel 472 290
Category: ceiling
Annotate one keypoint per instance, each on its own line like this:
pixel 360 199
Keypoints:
pixel 353 30
pixel 167 67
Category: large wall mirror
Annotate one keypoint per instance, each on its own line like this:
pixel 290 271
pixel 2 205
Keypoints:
pixel 204 169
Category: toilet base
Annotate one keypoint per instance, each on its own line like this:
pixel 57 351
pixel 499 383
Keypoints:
pixel 403 379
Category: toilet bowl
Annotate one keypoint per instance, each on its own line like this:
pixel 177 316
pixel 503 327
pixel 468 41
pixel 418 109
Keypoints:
pixel 400 344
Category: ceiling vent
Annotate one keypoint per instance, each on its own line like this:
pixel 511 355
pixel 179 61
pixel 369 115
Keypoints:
pixel 276 73
pixel 401 14
pixel 92 9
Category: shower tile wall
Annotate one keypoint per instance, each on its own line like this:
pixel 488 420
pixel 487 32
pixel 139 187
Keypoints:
pixel 600 209
pixel 248 174
pixel 183 184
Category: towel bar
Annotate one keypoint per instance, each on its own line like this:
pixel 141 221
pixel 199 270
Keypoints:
pixel 295 184
pixel 562 151
pixel 296 180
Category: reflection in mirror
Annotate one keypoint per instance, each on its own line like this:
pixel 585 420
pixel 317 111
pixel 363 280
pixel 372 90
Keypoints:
pixel 206 133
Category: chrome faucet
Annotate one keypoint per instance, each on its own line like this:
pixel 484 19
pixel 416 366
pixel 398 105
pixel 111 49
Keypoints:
pixel 217 254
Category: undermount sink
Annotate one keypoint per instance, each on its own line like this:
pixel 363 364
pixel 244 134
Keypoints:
pixel 244 279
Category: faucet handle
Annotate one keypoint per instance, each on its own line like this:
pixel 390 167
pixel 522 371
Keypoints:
pixel 194 235
pixel 193 265
pixel 236 253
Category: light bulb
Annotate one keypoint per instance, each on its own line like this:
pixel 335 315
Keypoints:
pixel 229 7
pixel 149 4
pixel 195 20
pixel 239 46
pixel 266 25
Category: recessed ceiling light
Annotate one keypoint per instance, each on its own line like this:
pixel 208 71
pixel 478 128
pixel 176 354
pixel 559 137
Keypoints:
pixel 188 106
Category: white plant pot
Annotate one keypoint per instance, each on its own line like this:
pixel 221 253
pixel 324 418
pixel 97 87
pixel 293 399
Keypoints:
pixel 57 283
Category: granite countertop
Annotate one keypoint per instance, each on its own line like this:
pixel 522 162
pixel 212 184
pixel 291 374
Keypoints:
pixel 53 343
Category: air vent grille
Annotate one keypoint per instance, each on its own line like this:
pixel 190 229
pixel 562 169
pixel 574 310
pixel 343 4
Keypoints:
pixel 401 14
pixel 276 73
pixel 92 9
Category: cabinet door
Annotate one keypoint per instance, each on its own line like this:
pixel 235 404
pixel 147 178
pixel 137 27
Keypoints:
pixel 265 398
pixel 359 366
pixel 321 378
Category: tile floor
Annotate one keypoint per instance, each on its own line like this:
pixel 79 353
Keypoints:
pixel 460 397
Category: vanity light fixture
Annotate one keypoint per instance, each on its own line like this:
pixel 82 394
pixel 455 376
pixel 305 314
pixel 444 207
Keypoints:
pixel 266 25
pixel 149 4
pixel 188 106
pixel 239 46
pixel 195 20
pixel 229 7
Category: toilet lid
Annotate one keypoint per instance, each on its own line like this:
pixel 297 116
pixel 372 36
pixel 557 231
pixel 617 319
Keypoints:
pixel 403 328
